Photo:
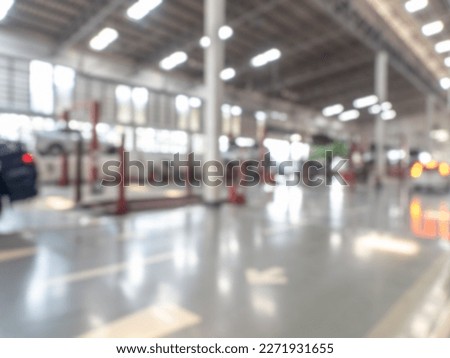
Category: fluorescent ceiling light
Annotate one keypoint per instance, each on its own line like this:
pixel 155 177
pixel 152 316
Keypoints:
pixel 445 83
pixel 333 110
pixel 443 46
pixel 225 32
pixel 447 62
pixel 415 5
pixel 227 74
pixel 433 28
pixel 386 106
pixel 365 101
pixel 375 109
pixel 5 6
pixel 261 116
pixel 236 111
pixel 266 57
pixel 388 115
pixel 349 115
pixel 205 42
pixel 174 60
pixel 141 8
pixel 103 39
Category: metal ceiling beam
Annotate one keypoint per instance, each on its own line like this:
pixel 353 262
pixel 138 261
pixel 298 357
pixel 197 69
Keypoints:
pixel 350 19
pixel 90 26
pixel 192 43
pixel 318 72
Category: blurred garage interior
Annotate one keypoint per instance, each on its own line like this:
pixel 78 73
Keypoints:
pixel 90 84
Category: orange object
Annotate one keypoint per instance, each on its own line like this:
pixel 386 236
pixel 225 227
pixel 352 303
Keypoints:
pixel 444 169
pixel 416 170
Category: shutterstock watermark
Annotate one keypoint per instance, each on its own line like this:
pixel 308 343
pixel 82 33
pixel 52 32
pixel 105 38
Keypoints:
pixel 194 172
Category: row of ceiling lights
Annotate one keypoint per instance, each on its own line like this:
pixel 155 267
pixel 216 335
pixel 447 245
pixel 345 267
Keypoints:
pixel 142 8
pixel 370 102
pixel 430 29
pixel 385 109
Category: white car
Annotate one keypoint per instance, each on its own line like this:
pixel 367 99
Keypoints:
pixel 432 175
pixel 65 140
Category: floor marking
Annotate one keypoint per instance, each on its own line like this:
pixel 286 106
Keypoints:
pixel 153 322
pixel 271 276
pixel 15 254
pixel 399 320
pixel 108 270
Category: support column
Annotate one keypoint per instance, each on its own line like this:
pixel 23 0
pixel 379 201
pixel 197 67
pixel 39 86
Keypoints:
pixel 381 91
pixel 214 60
pixel 430 114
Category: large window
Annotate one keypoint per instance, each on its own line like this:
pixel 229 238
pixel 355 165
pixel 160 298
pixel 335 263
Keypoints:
pixel 41 87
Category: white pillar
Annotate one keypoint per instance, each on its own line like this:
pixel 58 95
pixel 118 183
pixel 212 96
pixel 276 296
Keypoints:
pixel 214 60
pixel 381 90
pixel 430 114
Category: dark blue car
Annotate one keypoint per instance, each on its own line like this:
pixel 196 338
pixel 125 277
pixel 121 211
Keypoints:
pixel 18 174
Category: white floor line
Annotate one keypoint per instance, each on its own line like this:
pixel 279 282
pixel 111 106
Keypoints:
pixel 153 322
pixel 108 270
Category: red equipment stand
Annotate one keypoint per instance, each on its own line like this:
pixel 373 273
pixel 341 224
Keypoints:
pixel 234 196
pixel 64 179
pixel 122 208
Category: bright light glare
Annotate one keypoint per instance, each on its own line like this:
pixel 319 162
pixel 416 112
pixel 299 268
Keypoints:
pixel 266 57
pixel 228 74
pixel 174 60
pixel 447 62
pixel 371 243
pixel 5 6
pixel 141 8
pixel 365 101
pixel 182 103
pixel 443 46
pixel 440 135
pixel 386 106
pixel 415 5
pixel 388 115
pixel 139 96
pixel 195 102
pixel 445 83
pixel 333 110
pixel 236 111
pixel 225 32
pixel 376 109
pixel 123 93
pixel 64 77
pixel 103 39
pixel 261 116
pixel 41 87
pixel 349 115
pixel 433 28
pixel 205 42
pixel 425 157
pixel 245 142
pixel 226 109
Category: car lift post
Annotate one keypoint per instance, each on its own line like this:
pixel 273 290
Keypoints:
pixel 122 208
pixel 95 116
pixel 64 179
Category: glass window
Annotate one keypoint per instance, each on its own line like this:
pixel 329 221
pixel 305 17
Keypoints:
pixel 41 87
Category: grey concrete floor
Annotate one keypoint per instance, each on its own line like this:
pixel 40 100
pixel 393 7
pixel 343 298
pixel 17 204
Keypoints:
pixel 293 262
